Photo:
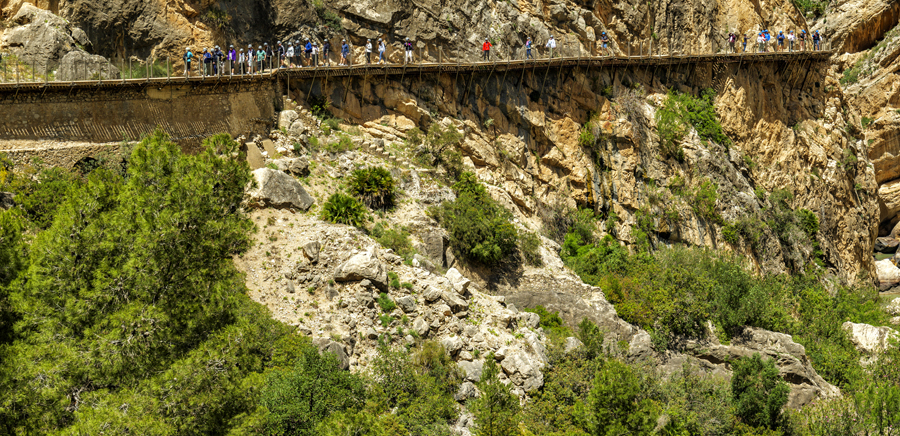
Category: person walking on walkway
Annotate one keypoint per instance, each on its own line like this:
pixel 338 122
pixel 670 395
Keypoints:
pixel 242 61
pixel 732 39
pixel 604 43
pixel 326 52
pixel 408 47
pixel 368 52
pixel 187 58
pixel 791 37
pixel 817 41
pixel 207 57
pixel 551 44
pixel 780 39
pixel 381 49
pixel 289 54
pixel 802 40
pixel 232 59
pixel 746 38
pixel 218 61
pixel 760 43
pixel 767 37
pixel 281 52
pixel 528 45
pixel 345 53
pixel 260 60
pixel 307 50
pixel 486 50
pixel 267 62
pixel 315 55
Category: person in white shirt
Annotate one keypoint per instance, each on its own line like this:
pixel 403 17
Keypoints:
pixel 791 39
pixel 289 54
pixel 368 51
pixel 760 43
pixel 551 44
pixel 381 49
pixel 315 55
pixel 242 58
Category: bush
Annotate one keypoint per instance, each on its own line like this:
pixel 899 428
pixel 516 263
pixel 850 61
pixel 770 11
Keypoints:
pixel 551 322
pixel 496 410
pixel 374 186
pixel 479 228
pixel 343 209
pixel 387 305
pixel 619 402
pixel 681 110
pixel 758 392
pixel 530 248
pixel 395 239
pixel 703 201
pixel 437 148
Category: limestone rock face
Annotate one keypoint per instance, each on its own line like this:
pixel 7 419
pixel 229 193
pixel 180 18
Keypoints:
pixel 855 25
pixel 42 39
pixel 870 339
pixel 277 189
pixel 894 307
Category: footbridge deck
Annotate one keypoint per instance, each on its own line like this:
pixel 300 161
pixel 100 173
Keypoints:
pixel 22 84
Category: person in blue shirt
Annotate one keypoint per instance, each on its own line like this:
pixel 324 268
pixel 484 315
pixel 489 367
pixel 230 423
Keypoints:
pixel 307 49
pixel 188 56
pixel 780 46
pixel 817 41
pixel 207 62
pixel 766 37
pixel 345 52
pixel 528 45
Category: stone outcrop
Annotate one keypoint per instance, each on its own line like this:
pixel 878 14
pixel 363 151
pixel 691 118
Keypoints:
pixel 870 339
pixel 362 266
pixel 78 65
pixel 276 189
pixel 856 25
pixel 42 39
pixel 887 273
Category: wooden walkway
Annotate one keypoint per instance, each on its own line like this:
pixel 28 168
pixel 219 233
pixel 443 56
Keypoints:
pixel 427 68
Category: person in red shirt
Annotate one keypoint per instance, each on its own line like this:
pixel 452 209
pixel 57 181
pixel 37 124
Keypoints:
pixel 486 51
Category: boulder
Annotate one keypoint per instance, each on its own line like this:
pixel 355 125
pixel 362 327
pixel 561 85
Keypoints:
pixel 457 280
pixel 893 307
pixel 297 166
pixel 466 390
pixel 365 299
pixel 311 251
pixel 279 190
pixel 434 246
pixel 452 344
pixel 326 345
pixel 888 274
pixel 869 339
pixel 254 158
pixel 886 245
pixel 421 327
pixel 407 304
pixel 43 39
pixel 529 319
pixel 443 310
pixel 523 371
pixel 432 294
pixel 471 371
pixel 286 119
pixel 362 266
pixel 78 65
pixel 456 303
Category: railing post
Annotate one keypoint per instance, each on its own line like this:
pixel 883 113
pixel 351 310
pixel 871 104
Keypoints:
pixel 33 67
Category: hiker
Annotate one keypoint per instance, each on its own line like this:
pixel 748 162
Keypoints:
pixel 381 49
pixel 307 51
pixel 219 61
pixel 269 55
pixel 207 57
pixel 802 38
pixel 604 43
pixel 486 50
pixel 232 58
pixel 345 53
pixel 528 49
pixel 746 38
pixel 242 60
pixel 281 52
pixel 250 58
pixel 732 38
pixel 780 46
pixel 551 44
pixel 368 51
pixel 791 37
pixel 408 46
pixel 260 60
pixel 326 52
pixel 315 55
pixel 817 41
pixel 768 37
pixel 188 56
pixel 290 54
pixel 760 43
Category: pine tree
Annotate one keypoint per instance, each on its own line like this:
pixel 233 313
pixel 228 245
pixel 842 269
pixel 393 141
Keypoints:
pixel 497 409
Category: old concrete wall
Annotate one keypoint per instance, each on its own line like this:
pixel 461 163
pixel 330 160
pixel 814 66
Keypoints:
pixel 187 112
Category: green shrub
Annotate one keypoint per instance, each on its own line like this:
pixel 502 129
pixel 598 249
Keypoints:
pixel 530 248
pixel 671 129
pixel 479 228
pixel 395 239
pixel 586 136
pixel 332 123
pixel 730 233
pixel 703 201
pixel 374 186
pixel 344 209
pixel 619 402
pixel 386 304
pixel 681 110
pixel 313 143
pixel 437 148
pixel 851 75
pixel 758 392
pixel 406 285
pixel 814 7
pixel 496 410
pixel 551 322
pixel 344 143
pixel 385 320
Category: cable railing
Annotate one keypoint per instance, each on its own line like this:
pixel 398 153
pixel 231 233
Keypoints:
pixel 95 69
